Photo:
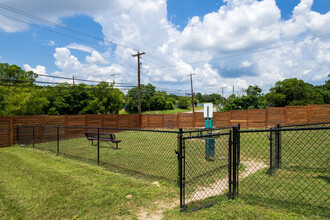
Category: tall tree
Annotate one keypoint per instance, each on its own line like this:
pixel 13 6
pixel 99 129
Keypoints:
pixel 12 74
pixel 293 92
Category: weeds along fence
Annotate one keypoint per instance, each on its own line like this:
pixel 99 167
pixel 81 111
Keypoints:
pixel 281 167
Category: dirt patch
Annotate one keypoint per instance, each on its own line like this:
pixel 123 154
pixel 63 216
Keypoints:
pixel 218 187
pixel 215 189
pixel 158 214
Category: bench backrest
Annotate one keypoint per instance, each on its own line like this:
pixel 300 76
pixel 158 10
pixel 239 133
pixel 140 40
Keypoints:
pixel 102 135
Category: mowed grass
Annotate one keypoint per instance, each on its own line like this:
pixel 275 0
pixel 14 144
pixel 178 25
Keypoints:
pixel 39 185
pixel 150 154
pixel 299 188
pixel 140 153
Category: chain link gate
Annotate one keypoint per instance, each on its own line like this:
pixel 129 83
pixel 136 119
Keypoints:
pixel 208 168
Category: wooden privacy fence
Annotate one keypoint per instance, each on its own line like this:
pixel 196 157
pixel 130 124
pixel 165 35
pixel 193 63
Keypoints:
pixel 261 118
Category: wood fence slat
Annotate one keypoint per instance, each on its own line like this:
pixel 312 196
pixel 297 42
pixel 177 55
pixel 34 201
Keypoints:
pixel 263 118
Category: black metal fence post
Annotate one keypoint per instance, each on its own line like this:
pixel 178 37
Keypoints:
pixel 278 146
pixel 58 141
pixel 238 155
pixel 234 162
pixel 181 180
pixel 230 182
pixel 33 136
pixel 98 146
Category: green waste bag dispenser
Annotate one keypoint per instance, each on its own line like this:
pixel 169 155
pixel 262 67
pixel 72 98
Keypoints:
pixel 209 142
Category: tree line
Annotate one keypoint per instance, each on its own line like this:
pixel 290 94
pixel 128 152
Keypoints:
pixel 20 95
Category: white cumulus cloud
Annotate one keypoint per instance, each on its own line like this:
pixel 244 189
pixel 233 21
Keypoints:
pixel 224 48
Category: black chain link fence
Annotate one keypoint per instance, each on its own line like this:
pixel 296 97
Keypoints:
pixel 146 153
pixel 287 168
pixel 205 169
pixel 282 167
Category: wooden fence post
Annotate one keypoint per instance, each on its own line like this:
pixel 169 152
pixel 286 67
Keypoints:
pixel 163 121
pixel 266 119
pixel 129 120
pixel 308 114
pixel 11 130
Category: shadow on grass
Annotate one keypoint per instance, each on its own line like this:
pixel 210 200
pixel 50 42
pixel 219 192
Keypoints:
pixel 207 174
pixel 325 178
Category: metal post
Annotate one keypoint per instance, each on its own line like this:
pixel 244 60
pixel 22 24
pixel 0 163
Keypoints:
pixel 238 155
pixel 181 179
pixel 207 132
pixel 272 153
pixel 58 141
pixel 234 161
pixel 98 146
pixel 33 136
pixel 230 165
pixel 278 146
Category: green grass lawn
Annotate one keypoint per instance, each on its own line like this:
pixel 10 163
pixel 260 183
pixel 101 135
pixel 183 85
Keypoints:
pixel 38 185
pixel 300 188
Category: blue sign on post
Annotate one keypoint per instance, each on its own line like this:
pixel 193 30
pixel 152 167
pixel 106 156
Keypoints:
pixel 209 142
pixel 209 123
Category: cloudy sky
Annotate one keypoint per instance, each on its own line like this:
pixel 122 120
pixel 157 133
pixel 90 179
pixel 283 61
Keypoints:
pixel 226 43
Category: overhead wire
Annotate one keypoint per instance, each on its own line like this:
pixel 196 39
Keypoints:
pixel 77 79
pixel 9 8
pixel 47 29
pixel 23 13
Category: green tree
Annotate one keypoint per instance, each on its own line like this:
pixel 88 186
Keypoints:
pixel 104 99
pixel 293 92
pixel 13 74
pixel 254 99
pixel 158 101
pixel 183 102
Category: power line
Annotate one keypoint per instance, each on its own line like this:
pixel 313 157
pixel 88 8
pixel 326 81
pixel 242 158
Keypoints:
pixel 17 11
pixel 24 50
pixel 77 79
pixel 56 32
pixel 51 83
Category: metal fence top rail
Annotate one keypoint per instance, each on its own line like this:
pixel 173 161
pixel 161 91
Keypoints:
pixel 310 124
pixel 205 129
pixel 206 136
pixel 284 129
pixel 103 128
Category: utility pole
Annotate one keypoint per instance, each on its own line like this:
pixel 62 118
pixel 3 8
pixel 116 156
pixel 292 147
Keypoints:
pixel 138 62
pixel 73 79
pixel 233 89
pixel 222 91
pixel 192 91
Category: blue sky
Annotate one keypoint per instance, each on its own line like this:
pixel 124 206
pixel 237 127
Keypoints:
pixel 233 42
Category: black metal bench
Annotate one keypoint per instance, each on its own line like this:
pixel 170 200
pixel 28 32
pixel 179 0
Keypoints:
pixel 104 137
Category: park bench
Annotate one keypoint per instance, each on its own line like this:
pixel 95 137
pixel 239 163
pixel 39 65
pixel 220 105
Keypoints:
pixel 104 137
